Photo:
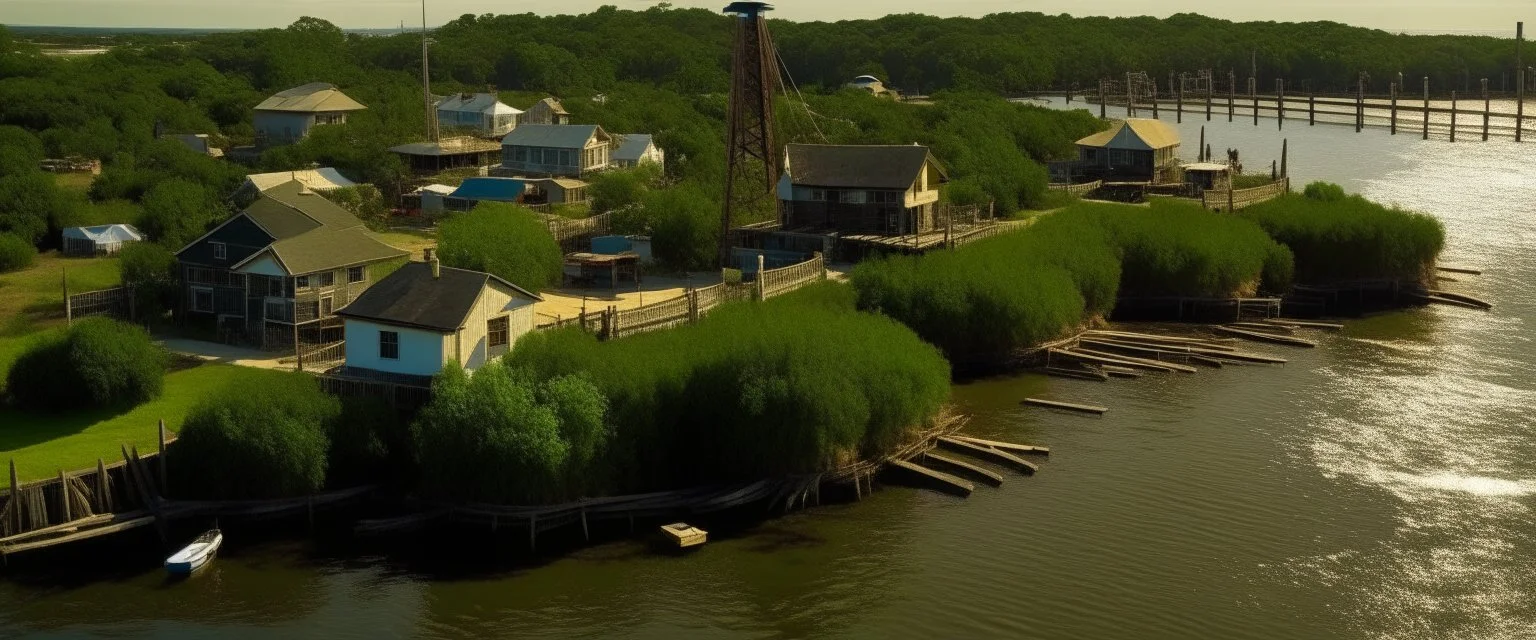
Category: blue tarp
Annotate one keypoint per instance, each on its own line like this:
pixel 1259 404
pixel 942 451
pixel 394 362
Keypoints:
pixel 492 189
pixel 610 245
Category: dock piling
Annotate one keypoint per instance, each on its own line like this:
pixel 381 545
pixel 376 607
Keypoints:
pixel 1394 109
pixel 1426 107
pixel 1453 115
pixel 1487 106
pixel 1280 102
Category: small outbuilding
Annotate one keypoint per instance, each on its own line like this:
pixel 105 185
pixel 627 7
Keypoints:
pixel 425 315
pixel 322 179
pixel 484 189
pixel 426 199
pixel 1136 149
pixel 635 149
pixel 546 111
pixel 1208 176
pixel 99 240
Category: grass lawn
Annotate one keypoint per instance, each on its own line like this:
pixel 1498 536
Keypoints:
pixel 32 300
pixel 43 443
pixel 74 181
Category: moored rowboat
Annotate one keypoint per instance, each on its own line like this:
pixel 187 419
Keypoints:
pixel 193 556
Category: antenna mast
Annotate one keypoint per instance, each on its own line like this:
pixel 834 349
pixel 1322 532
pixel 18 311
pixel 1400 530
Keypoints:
pixel 752 160
pixel 426 79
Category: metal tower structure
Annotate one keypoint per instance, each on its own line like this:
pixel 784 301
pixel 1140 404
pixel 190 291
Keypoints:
pixel 752 160
pixel 426 78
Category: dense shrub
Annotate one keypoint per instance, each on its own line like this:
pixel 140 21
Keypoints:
pixel 500 436
pixel 685 227
pixel 983 302
pixel 505 240
pixel 264 437
pixel 793 385
pixel 151 269
pixel 1350 238
pixel 370 442
pixel 1324 191
pixel 98 362
pixel 15 253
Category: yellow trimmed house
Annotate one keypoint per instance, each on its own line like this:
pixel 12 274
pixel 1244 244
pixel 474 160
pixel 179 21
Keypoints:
pixel 1133 150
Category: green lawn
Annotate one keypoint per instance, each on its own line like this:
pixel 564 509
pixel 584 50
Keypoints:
pixel 43 443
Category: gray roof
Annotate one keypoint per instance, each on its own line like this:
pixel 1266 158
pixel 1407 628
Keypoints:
pixel 556 136
pixel 473 103
pixel 326 249
pixel 314 97
pixel 448 147
pixel 294 206
pixel 631 146
pixel 856 166
pixel 411 297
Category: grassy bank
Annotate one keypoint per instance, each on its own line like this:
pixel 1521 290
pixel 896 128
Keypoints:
pixel 1338 238
pixel 982 302
pixel 42 443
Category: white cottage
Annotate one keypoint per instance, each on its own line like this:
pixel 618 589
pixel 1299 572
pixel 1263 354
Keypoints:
pixel 481 113
pixel 424 315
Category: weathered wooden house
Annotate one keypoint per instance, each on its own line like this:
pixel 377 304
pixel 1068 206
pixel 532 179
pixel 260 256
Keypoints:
pixel 479 114
pixel 425 315
pixel 429 158
pixel 546 111
pixel 288 116
pixel 635 149
pixel 549 150
pixel 289 258
pixel 1133 150
pixel 875 189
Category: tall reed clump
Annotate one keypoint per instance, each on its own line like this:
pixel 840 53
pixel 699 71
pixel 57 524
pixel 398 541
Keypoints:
pixel 983 302
pixel 797 384
pixel 1339 238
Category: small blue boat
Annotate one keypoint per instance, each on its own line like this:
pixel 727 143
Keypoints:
pixel 194 556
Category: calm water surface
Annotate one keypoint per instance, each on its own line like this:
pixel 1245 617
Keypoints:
pixel 1380 486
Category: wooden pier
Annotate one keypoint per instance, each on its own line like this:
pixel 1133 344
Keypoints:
pixel 1066 406
pixel 937 479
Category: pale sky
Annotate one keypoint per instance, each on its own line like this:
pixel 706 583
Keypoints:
pixel 1491 16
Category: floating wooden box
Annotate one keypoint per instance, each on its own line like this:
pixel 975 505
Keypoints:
pixel 685 535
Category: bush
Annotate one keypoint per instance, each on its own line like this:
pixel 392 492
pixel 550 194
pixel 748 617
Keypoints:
pixel 15 253
pixel 685 227
pixel 797 384
pixel 1324 191
pixel 364 201
pixel 985 301
pixel 1338 239
pixel 98 362
pixel 505 240
pixel 370 443
pixel 501 437
pixel 152 271
pixel 620 190
pixel 263 438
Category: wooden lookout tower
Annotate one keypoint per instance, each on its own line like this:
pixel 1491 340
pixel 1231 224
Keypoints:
pixel 752 164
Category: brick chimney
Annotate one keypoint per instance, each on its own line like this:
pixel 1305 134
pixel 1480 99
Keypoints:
pixel 429 254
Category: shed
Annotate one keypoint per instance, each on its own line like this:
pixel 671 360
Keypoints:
pixel 484 189
pixel 99 240
pixel 427 199
pixel 425 315
pixel 481 113
pixel 322 179
pixel 634 149
pixel 546 111
pixel 1136 149
pixel 554 190
pixel 1208 175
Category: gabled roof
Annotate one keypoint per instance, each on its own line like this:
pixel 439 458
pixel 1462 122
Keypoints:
pixel 314 97
pixel 411 297
pixel 325 249
pixel 105 233
pixel 1141 134
pixel 631 146
pixel 476 103
pixel 490 188
pixel 301 200
pixel 857 166
pixel 556 136
pixel 322 179
pixel 553 105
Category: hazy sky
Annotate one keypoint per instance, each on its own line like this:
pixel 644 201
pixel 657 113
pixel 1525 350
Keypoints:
pixel 1411 15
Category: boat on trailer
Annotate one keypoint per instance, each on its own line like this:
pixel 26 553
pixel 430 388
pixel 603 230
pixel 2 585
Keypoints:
pixel 196 555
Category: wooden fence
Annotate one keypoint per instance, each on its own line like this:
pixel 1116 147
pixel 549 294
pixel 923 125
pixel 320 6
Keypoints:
pixel 27 508
pixel 1237 199
pixel 612 322
pixel 1078 190
pixel 116 302
pixel 401 395
pixel 565 229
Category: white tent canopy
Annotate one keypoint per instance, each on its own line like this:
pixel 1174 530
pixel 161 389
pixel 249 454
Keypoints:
pixel 106 238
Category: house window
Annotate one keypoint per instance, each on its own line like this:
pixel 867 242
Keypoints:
pixel 301 282
pixel 326 279
pixel 326 307
pixel 389 345
pixel 202 300
pixel 275 287
pixel 520 154
pixel 565 159
pixel 220 251
pixel 496 331
pixel 357 274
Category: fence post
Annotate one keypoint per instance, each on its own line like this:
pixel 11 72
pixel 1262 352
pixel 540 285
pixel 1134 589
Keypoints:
pixel 298 355
pixel 821 263
pixel 16 501
pixel 69 317
pixel 103 505
pixel 160 459
pixel 693 306
pixel 1231 198
pixel 761 288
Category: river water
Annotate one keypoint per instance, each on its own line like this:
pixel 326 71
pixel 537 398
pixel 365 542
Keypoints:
pixel 1379 486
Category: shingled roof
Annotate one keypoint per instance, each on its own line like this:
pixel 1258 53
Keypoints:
pixel 315 97
pixel 554 136
pixel 1136 133
pixel 856 166
pixel 411 297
